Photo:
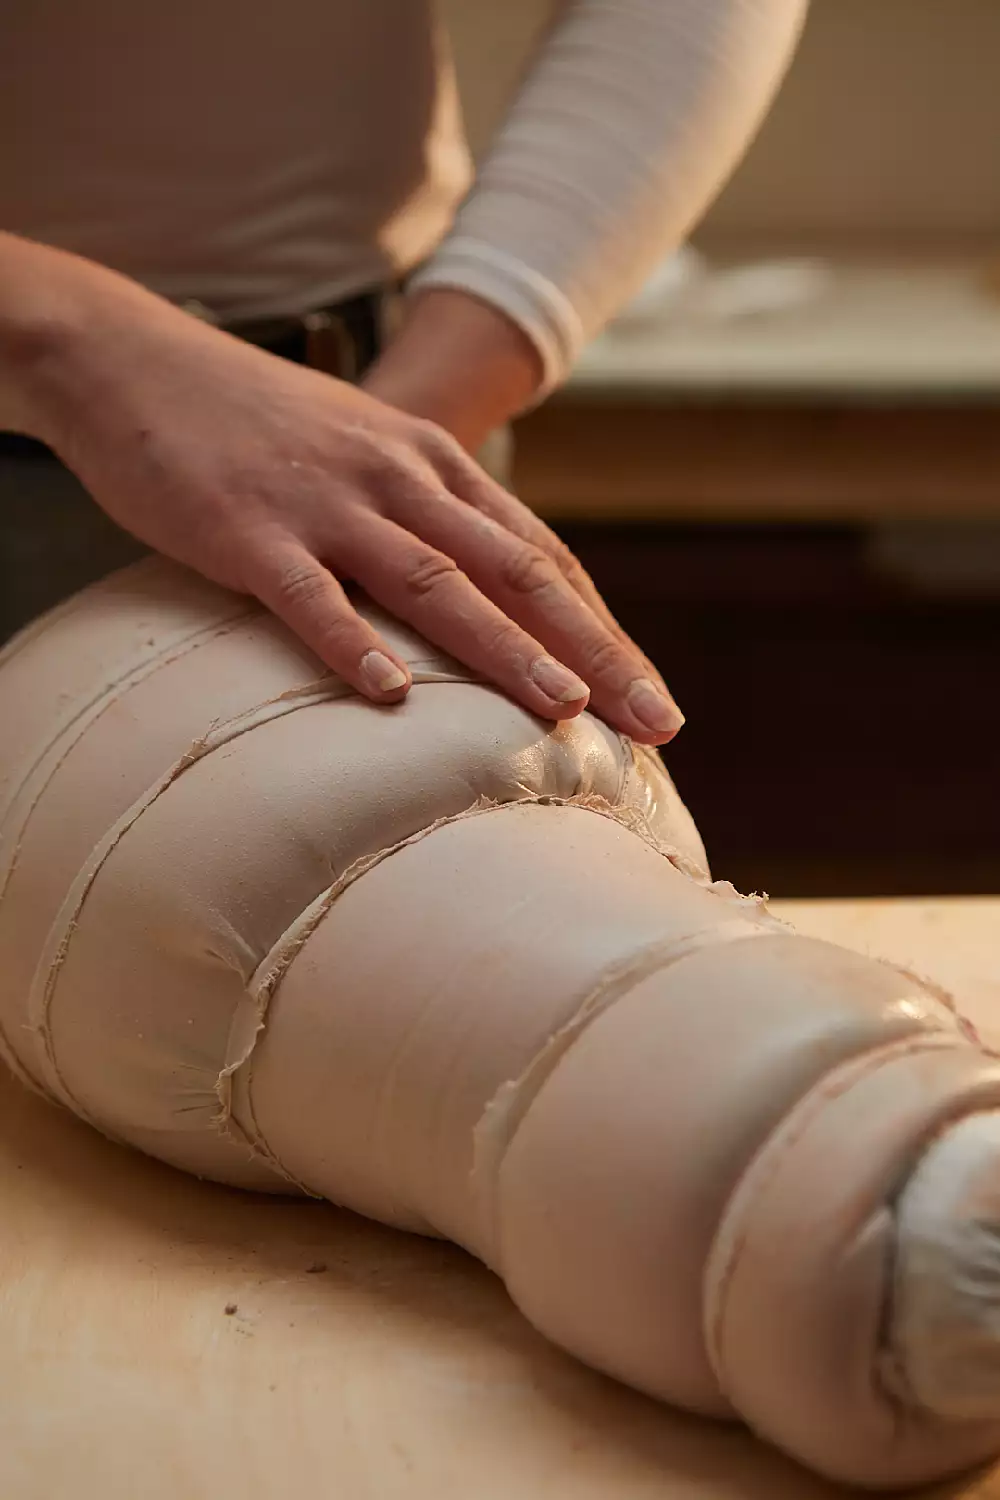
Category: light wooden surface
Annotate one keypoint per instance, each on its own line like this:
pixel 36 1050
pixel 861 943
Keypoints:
pixel 162 1339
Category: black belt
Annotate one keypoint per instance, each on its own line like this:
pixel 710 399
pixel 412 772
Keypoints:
pixel 343 339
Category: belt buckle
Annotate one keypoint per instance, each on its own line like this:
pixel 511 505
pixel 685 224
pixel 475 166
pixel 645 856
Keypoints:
pixel 330 347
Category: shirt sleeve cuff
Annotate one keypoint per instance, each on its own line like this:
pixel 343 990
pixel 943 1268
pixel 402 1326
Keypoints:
pixel 543 313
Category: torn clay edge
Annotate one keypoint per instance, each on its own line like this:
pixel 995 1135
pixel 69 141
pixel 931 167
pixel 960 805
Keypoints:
pixel 304 695
pixel 54 953
pixel 35 773
pixel 31 780
pixel 725 1255
pixel 108 586
pixel 33 776
pixel 81 714
pixel 512 1102
pixel 43 761
pixel 750 918
pixel 234 1085
pixel 509 1106
pixel 42 990
pixel 133 667
pixel 661 797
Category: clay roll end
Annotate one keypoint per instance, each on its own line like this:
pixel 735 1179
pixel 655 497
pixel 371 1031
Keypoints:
pixel 943 1333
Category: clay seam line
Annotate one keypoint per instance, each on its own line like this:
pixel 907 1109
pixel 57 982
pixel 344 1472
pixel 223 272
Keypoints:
pixel 45 621
pixel 60 936
pixel 266 980
pixel 120 580
pixel 766 1162
pixel 501 1119
pixel 81 719
pixel 67 919
pixel 83 714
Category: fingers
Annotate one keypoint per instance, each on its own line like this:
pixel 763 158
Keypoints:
pixel 310 601
pixel 507 600
pixel 530 589
pixel 423 585
pixel 468 482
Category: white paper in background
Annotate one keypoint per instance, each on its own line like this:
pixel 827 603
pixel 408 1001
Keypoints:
pixel 686 288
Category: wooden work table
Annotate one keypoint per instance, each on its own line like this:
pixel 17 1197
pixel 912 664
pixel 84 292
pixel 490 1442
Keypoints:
pixel 162 1339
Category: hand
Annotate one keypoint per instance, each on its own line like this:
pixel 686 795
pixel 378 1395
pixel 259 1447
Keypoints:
pixel 277 481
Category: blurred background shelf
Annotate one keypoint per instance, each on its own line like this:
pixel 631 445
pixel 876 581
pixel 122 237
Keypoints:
pixel 889 330
pixel 616 458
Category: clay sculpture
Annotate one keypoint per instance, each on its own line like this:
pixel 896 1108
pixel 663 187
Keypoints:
pixel 468 974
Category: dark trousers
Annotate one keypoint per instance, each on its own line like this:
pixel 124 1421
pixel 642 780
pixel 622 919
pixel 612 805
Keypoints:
pixel 53 538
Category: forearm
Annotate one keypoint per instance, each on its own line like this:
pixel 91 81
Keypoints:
pixel 61 316
pixel 43 293
pixel 632 117
pixel 459 362
pixel 456 360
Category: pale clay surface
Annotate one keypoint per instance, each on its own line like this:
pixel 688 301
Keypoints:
pixel 352 1358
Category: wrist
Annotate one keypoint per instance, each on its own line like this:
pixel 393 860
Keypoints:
pixel 33 386
pixel 46 314
pixel 459 362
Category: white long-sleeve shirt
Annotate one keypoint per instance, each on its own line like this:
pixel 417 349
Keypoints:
pixel 266 159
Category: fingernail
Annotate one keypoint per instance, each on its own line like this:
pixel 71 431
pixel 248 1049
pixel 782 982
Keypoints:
pixel 380 673
pixel 654 708
pixel 558 682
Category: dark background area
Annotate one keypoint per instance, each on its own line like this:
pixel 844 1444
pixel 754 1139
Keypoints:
pixel 843 732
